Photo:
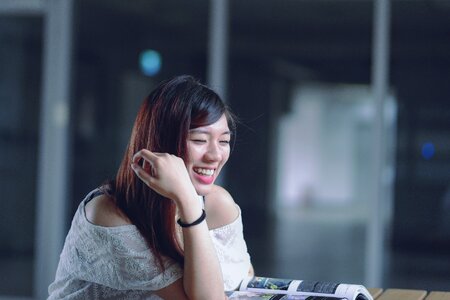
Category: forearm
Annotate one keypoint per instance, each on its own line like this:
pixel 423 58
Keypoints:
pixel 202 273
pixel 202 277
pixel 251 271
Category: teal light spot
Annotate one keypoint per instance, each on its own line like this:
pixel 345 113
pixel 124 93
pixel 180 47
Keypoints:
pixel 150 62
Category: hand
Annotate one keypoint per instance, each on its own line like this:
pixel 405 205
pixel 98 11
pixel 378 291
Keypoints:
pixel 164 173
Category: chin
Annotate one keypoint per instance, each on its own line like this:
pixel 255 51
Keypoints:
pixel 203 190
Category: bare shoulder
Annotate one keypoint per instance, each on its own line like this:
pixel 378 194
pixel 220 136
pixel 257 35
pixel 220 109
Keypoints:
pixel 220 208
pixel 103 211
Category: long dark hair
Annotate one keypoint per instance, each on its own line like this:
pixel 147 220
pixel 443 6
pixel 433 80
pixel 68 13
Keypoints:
pixel 162 125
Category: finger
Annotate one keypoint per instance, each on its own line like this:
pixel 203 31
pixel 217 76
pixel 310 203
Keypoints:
pixel 143 154
pixel 143 164
pixel 143 157
pixel 142 174
pixel 148 167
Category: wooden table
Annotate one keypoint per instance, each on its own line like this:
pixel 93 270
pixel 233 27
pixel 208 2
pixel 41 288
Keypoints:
pixel 399 294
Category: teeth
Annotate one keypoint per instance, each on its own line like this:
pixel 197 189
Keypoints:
pixel 207 172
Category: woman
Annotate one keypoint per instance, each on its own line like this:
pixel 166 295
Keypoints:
pixel 162 228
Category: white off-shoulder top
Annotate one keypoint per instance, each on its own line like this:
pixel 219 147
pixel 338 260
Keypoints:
pixel 115 263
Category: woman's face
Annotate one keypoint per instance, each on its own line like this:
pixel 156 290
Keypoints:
pixel 208 150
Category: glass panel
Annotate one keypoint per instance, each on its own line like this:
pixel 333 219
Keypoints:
pixel 20 79
pixel 300 81
pixel 420 77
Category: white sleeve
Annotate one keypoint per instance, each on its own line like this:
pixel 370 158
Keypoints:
pixel 135 266
pixel 115 257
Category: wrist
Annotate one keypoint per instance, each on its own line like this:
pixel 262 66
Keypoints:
pixel 189 209
pixel 196 222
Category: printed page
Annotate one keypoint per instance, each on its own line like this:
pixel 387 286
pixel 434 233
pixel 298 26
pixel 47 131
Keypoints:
pixel 266 285
pixel 269 285
pixel 238 295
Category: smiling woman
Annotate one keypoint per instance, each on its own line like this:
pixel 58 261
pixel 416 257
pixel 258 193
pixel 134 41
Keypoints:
pixel 125 242
pixel 208 151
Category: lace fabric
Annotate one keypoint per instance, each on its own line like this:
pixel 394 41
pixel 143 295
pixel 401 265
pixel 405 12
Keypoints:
pixel 115 263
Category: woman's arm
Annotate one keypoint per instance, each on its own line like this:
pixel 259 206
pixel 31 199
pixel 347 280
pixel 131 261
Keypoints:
pixel 222 210
pixel 202 275
pixel 251 271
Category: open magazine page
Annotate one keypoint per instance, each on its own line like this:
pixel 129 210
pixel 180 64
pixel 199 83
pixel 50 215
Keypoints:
pixel 238 295
pixel 266 285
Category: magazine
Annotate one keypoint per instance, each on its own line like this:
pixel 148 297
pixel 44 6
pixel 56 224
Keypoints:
pixel 240 295
pixel 276 288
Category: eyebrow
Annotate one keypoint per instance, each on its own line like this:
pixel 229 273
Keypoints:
pixel 199 130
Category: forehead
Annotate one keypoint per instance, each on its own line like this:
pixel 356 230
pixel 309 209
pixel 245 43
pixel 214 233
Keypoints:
pixel 220 126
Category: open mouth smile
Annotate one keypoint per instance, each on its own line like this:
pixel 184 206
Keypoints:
pixel 204 172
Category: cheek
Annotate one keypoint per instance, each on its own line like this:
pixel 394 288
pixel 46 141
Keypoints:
pixel 193 155
pixel 226 156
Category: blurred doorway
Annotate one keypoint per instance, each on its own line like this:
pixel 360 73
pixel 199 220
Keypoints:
pixel 324 180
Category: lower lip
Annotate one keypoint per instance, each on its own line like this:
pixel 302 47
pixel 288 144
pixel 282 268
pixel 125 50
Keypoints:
pixel 204 179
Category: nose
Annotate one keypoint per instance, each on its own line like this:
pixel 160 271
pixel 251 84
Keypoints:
pixel 213 153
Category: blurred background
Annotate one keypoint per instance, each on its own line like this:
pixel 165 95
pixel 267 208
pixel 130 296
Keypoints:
pixel 342 158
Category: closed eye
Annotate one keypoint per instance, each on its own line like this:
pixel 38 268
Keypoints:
pixel 199 141
pixel 225 142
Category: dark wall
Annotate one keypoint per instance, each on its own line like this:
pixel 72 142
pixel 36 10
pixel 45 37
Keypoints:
pixel 420 209
pixel 249 98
